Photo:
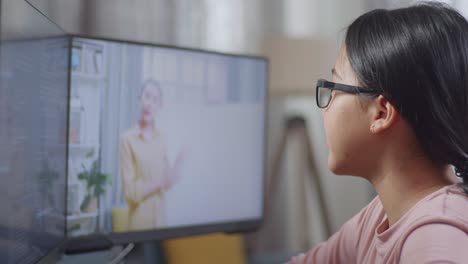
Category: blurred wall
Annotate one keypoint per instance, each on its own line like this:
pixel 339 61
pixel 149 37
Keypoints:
pixel 19 20
pixel 224 25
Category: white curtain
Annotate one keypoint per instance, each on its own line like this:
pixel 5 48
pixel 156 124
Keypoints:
pixel 119 112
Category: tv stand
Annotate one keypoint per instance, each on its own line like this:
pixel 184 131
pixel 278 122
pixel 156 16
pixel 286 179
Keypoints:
pixel 150 252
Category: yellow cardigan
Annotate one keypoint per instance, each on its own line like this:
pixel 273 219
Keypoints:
pixel 142 160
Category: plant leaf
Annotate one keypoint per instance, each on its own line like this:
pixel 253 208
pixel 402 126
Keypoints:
pixel 85 202
pixel 102 178
pixel 98 191
pixel 83 176
pixel 108 179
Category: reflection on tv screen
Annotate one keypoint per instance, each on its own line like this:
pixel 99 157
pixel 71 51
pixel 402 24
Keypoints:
pixel 33 140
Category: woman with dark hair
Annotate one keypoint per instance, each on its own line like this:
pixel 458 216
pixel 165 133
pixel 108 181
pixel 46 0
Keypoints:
pixel 396 114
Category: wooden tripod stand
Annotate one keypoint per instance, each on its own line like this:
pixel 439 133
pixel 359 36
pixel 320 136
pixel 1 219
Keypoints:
pixel 297 124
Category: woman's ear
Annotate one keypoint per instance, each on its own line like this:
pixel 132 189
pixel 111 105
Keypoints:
pixel 384 115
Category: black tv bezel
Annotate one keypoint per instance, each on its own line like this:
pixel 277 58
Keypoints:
pixel 102 241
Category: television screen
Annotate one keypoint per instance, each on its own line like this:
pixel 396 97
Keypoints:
pixel 163 138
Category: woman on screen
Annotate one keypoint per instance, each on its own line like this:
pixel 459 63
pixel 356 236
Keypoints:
pixel 400 92
pixel 145 170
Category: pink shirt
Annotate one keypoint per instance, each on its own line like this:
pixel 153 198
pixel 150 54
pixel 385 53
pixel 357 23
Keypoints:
pixel 435 230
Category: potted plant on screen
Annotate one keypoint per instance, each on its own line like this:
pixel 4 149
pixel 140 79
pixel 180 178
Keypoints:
pixel 95 186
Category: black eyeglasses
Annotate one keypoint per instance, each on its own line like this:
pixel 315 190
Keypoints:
pixel 325 88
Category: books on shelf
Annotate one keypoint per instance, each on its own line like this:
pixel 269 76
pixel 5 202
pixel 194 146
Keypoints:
pixel 88 60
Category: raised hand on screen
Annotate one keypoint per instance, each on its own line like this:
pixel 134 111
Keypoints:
pixel 175 170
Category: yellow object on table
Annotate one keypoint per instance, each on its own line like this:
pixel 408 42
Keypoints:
pixel 206 249
pixel 120 219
